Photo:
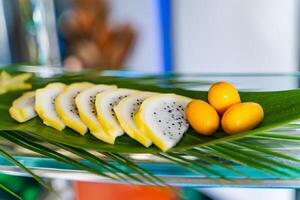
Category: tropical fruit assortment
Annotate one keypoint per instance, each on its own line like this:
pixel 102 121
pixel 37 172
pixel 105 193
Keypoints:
pixel 224 105
pixel 108 112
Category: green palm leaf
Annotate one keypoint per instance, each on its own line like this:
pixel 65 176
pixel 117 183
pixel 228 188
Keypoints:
pixel 266 151
pixel 123 176
pixel 52 154
pixel 194 152
pixel 192 165
pixel 17 163
pixel 213 161
pixel 3 187
pixel 248 161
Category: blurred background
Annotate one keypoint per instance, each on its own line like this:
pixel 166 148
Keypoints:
pixel 154 36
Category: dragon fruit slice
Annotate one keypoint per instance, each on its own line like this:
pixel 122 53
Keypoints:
pixel 44 105
pixel 22 109
pixel 66 107
pixel 105 102
pixel 85 103
pixel 125 111
pixel 162 118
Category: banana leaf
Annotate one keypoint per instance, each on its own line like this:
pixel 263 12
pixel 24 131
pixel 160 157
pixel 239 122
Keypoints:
pixel 280 108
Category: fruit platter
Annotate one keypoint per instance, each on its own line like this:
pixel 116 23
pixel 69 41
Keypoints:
pixel 160 129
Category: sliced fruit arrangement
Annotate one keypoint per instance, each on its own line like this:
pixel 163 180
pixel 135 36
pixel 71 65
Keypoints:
pixel 147 117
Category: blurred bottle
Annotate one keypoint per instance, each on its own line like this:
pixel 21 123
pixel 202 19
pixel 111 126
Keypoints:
pixel 32 32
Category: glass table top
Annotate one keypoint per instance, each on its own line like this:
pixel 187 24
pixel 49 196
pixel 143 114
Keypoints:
pixel 171 173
